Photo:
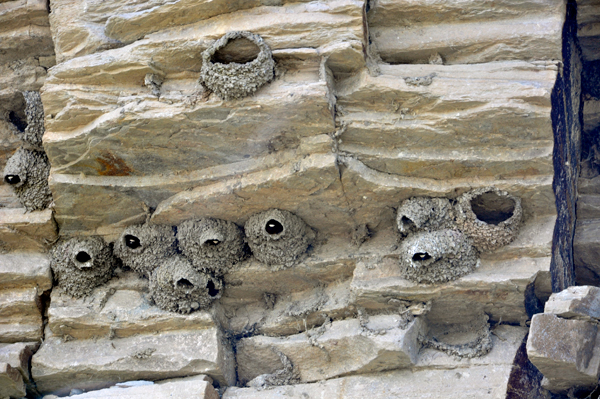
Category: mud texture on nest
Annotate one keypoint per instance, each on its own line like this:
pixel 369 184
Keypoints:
pixel 424 214
pixel 278 238
pixel 480 346
pixel 35 119
pixel 81 264
pixel 237 80
pixel 177 287
pixel 489 216
pixel 145 247
pixel 437 257
pixel 213 245
pixel 27 173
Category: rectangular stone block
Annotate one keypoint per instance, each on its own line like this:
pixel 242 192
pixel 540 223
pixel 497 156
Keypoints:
pixel 18 356
pixel 196 387
pixel 60 366
pixel 26 231
pixel 586 248
pixel 20 315
pixel 565 351
pixel 25 270
pixel 120 308
pixel 577 302
pixel 11 382
pixel 343 348
pixel 466 32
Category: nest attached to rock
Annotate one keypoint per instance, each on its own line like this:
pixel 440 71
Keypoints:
pixel 236 80
pixel 177 287
pixel 82 264
pixel 27 173
pixel 278 237
pixel 424 214
pixel 213 245
pixel 437 256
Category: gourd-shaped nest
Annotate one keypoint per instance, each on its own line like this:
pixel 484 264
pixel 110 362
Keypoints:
pixel 177 287
pixel 237 80
pixel 278 237
pixel 437 256
pixel 145 247
pixel 489 216
pixel 27 173
pixel 424 214
pixel 213 245
pixel 81 264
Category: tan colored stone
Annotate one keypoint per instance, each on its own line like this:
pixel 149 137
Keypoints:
pixel 26 231
pixel 466 31
pixel 588 206
pixel 578 302
pixel 25 270
pixel 591 114
pixel 196 387
pixel 120 308
pixel 343 348
pixel 588 28
pixel 60 366
pixel 565 351
pixel 20 315
pixel 18 355
pixel 11 382
pixel 586 248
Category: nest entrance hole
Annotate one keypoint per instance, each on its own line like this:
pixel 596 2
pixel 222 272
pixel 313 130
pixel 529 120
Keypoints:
pixel 212 242
pixel 273 227
pixel 184 283
pixel 421 256
pixel 492 208
pixel 132 241
pixel 212 290
pixel 82 257
pixel 239 50
pixel 12 179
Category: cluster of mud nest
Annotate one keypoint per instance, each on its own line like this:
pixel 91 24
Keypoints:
pixel 184 264
pixel 443 240
pixel 28 169
pixel 230 79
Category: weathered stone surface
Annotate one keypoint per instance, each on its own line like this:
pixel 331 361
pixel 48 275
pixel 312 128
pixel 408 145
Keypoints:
pixel 588 28
pixel 196 387
pixel 120 308
pixel 591 114
pixel 11 382
pixel 466 32
pixel 285 26
pixel 565 351
pixel 434 130
pixel 586 248
pixel 578 302
pixel 60 366
pixel 20 315
pixel 18 355
pixel 25 270
pixel 342 348
pixel 26 231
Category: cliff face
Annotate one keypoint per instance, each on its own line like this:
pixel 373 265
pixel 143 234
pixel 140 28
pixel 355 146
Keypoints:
pixel 269 197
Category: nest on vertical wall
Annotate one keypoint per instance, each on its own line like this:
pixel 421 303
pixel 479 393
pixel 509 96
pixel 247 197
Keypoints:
pixel 213 245
pixel 278 237
pixel 145 247
pixel 437 256
pixel 491 217
pixel 424 214
pixel 27 173
pixel 177 287
pixel 230 80
pixel 81 264
pixel 35 119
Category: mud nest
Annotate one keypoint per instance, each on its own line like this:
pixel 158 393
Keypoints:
pixel 437 257
pixel 82 264
pixel 177 287
pixel 278 237
pixel 237 80
pixel 213 245
pixel 489 216
pixel 35 119
pixel 424 214
pixel 27 173
pixel 145 247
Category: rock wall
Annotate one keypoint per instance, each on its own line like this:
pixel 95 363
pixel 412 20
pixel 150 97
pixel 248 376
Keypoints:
pixel 266 198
